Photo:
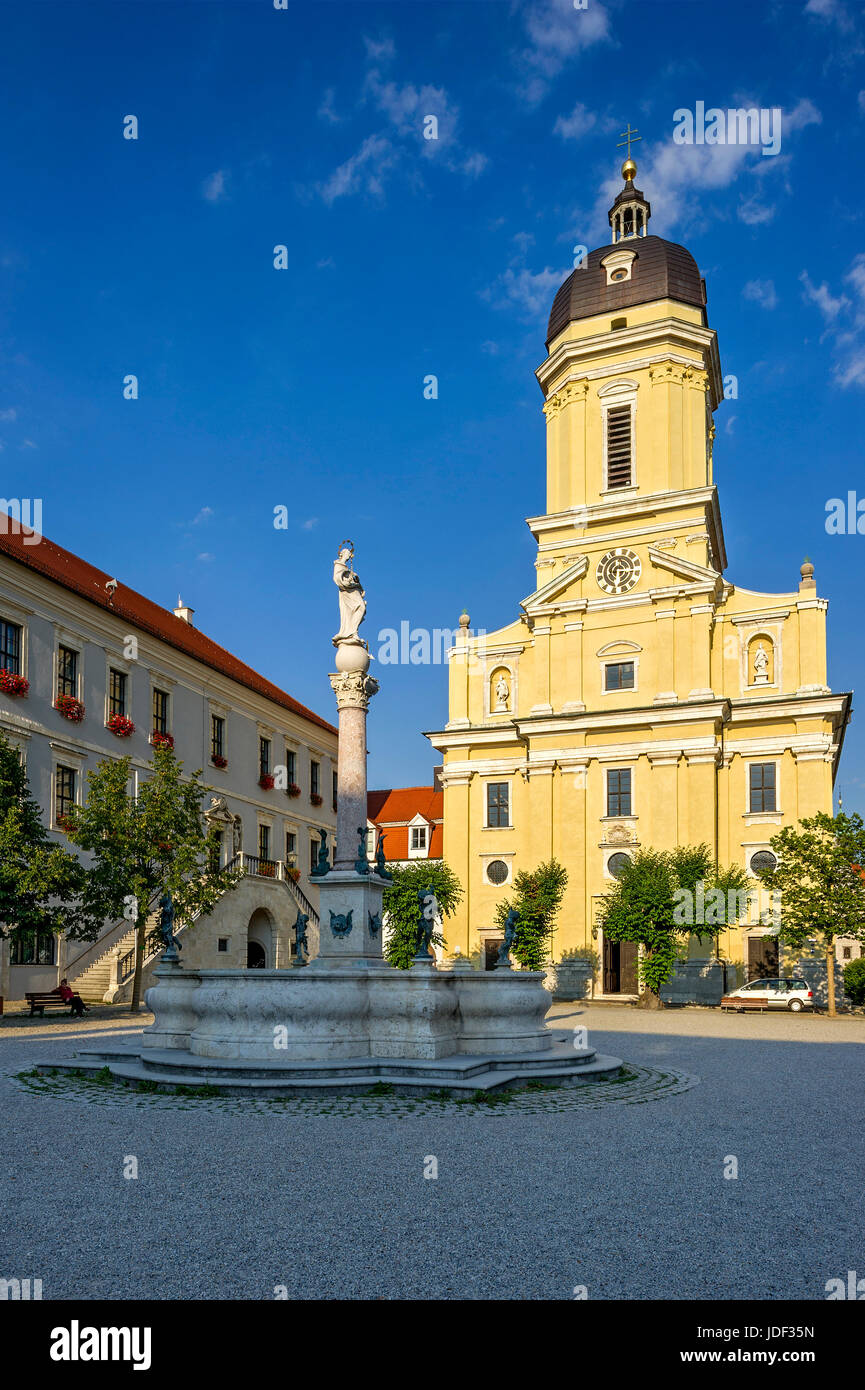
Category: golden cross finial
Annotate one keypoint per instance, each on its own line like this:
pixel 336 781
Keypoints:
pixel 629 136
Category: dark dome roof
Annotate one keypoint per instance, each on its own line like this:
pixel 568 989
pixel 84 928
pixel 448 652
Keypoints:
pixel 661 270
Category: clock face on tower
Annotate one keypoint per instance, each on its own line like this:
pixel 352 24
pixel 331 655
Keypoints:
pixel 618 571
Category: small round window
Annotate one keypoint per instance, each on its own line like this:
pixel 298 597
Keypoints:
pixel 497 871
pixel 763 859
pixel 619 275
pixel 616 863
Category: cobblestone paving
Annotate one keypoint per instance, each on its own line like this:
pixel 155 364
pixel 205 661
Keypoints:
pixel 634 1087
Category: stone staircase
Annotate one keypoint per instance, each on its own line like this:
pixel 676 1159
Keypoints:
pixel 104 976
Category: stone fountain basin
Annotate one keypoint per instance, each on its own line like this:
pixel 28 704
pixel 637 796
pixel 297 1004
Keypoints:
pixel 347 1011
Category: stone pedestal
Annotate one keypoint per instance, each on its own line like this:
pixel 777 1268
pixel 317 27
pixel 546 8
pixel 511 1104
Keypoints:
pixel 350 915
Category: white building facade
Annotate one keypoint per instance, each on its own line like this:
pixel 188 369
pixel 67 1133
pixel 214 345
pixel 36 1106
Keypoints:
pixel 90 670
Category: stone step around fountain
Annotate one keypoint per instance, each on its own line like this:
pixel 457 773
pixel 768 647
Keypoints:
pixel 460 1074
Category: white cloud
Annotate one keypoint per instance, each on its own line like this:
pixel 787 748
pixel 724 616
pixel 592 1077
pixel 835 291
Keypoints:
pixel 830 306
pixel 406 109
pixel 832 11
pixel 579 123
pixel 364 171
pixel 557 34
pixel 213 188
pixel 203 515
pixel 205 556
pixel 310 524
pixel 530 291
pixel 327 111
pixel 845 321
pixel 10 414
pixel 379 50
pixel 762 292
pixel 861 101
pixel 803 113
pixel 676 178
pixel 27 444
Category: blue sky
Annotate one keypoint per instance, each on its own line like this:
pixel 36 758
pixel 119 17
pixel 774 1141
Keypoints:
pixel 407 257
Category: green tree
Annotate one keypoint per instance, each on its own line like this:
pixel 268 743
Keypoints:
pixel 146 844
pixel 41 883
pixel 854 980
pixel 400 903
pixel 819 874
pixel 537 897
pixel 645 905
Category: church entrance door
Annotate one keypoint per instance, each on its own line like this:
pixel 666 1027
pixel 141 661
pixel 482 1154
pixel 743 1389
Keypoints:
pixel 620 967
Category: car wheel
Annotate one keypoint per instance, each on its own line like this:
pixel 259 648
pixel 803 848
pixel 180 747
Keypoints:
pixel 795 1006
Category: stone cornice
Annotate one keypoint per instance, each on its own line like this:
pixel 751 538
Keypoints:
pixel 638 338
pixel 622 509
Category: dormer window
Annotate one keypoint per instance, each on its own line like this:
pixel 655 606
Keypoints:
pixel 619 266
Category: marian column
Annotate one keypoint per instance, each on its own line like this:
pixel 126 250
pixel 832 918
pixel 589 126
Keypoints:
pixel 351 888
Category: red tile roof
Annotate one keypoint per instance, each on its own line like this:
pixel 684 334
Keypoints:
pixel 75 574
pixel 391 811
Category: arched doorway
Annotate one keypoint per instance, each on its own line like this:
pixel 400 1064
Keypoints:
pixel 260 940
pixel 255 956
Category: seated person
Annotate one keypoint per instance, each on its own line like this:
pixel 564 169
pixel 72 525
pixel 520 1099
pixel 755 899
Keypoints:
pixel 68 995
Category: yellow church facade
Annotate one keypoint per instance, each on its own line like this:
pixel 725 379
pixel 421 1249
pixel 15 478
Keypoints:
pixel 639 698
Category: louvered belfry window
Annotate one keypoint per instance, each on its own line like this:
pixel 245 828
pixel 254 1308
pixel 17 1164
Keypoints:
pixel 619 467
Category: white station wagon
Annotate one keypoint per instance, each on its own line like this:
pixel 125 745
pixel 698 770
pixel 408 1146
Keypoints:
pixel 790 993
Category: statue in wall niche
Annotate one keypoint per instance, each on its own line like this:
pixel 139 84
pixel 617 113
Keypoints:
pixel 504 956
pixel 761 665
pixel 166 929
pixel 503 694
pixel 237 835
pixel 352 599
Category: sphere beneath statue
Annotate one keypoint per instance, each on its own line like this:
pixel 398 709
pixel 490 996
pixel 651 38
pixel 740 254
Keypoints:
pixel 352 657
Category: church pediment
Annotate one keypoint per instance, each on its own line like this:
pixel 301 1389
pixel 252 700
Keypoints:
pixel 685 569
pixel 544 600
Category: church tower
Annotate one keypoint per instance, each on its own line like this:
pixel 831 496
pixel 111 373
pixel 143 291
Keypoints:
pixel 640 698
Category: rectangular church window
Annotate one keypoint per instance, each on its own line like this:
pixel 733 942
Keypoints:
pixel 762 787
pixel 498 810
pixel 619 675
pixel 619 446
pixel 619 792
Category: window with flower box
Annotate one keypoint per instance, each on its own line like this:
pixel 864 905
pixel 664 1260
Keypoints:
pixel 217 738
pixel 160 711
pixel 315 779
pixel 117 687
pixel 10 647
pixel 264 757
pixel 67 671
pixel 290 766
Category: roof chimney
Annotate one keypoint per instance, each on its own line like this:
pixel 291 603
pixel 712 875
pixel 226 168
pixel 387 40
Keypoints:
pixel 183 611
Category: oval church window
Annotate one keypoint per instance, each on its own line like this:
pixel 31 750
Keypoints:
pixel 763 859
pixel 497 871
pixel 616 863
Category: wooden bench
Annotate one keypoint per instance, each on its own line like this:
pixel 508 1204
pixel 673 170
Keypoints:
pixel 743 1004
pixel 46 1001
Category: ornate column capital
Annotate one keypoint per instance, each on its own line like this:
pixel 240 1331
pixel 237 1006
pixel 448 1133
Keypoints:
pixel 353 689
